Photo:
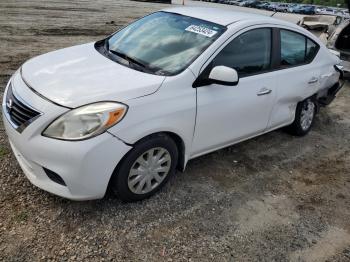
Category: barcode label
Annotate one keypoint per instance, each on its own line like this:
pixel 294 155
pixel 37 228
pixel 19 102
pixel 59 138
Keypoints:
pixel 201 30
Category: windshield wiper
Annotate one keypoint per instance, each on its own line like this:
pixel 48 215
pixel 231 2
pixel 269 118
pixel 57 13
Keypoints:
pixel 132 61
pixel 129 59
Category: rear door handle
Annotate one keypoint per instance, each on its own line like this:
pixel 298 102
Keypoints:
pixel 313 80
pixel 264 91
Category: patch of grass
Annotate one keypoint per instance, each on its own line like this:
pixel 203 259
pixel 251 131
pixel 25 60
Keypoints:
pixel 3 151
pixel 22 216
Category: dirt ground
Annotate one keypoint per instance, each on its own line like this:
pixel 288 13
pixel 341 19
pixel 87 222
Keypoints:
pixel 273 198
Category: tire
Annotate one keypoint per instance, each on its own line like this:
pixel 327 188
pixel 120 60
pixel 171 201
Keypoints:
pixel 304 118
pixel 138 166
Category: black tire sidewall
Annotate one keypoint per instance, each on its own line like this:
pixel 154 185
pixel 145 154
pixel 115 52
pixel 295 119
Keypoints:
pixel 119 182
pixel 296 126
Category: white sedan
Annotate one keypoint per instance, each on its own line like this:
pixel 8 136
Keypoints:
pixel 127 111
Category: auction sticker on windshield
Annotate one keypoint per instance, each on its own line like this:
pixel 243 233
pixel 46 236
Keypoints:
pixel 201 30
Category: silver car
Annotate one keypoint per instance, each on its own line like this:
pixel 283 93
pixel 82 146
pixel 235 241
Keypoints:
pixel 339 40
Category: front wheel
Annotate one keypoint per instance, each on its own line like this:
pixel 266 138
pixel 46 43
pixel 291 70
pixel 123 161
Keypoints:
pixel 304 118
pixel 145 169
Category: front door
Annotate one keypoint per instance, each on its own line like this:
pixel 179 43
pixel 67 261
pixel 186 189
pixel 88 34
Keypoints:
pixel 228 114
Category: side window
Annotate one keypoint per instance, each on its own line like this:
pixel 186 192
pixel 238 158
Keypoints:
pixel 249 53
pixel 296 49
pixel 311 50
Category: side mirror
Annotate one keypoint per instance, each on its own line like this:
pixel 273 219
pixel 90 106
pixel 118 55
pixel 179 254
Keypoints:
pixel 224 75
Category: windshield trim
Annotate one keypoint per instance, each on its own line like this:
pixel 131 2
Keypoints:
pixel 102 47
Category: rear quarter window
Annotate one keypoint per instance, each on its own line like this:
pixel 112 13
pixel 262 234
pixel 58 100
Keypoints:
pixel 296 49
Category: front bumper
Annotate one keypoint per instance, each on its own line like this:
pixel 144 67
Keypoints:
pixel 85 166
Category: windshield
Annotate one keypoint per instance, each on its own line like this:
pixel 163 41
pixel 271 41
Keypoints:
pixel 163 43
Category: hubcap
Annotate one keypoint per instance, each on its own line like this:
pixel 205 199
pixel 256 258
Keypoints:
pixel 149 170
pixel 307 114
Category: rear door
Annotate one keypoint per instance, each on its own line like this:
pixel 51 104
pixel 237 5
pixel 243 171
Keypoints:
pixel 297 78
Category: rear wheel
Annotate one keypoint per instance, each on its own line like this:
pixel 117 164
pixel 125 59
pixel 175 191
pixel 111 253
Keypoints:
pixel 304 118
pixel 145 169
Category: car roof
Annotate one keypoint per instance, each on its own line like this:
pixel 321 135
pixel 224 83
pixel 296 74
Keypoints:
pixel 218 15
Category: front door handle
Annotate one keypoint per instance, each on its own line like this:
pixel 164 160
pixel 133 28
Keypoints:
pixel 264 91
pixel 313 80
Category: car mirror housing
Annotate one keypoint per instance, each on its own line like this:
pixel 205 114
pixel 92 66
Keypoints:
pixel 224 75
pixel 221 75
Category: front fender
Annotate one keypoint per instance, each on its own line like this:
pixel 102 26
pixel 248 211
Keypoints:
pixel 171 109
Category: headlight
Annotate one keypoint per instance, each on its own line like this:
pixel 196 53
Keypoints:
pixel 86 121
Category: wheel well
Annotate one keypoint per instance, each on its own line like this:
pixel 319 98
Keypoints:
pixel 314 99
pixel 179 144
pixel 181 149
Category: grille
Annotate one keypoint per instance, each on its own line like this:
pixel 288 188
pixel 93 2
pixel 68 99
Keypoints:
pixel 19 113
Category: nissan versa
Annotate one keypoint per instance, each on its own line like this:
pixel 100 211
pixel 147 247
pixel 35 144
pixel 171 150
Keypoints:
pixel 128 110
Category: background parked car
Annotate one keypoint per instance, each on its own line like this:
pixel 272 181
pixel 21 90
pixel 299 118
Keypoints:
pixel 235 2
pixel 295 8
pixel 308 10
pixel 282 7
pixel 325 11
pixel 272 7
pixel 252 3
pixel 339 40
pixel 262 5
pixel 243 3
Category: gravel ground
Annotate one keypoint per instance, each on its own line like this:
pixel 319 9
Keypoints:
pixel 273 198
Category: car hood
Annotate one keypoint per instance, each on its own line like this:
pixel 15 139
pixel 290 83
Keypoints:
pixel 80 75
